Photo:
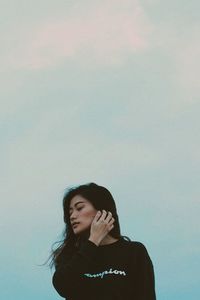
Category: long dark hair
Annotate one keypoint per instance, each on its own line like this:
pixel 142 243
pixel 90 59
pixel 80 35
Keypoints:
pixel 101 199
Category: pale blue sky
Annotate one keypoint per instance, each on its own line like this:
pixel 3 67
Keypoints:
pixel 102 91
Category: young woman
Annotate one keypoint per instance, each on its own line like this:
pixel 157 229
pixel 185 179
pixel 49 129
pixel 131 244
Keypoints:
pixel 95 262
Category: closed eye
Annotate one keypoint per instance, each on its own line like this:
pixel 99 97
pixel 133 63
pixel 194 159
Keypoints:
pixel 78 208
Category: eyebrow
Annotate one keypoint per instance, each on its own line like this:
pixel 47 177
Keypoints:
pixel 76 204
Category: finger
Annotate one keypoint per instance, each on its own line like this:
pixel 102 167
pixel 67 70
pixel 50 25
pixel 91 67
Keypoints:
pixel 103 215
pixel 112 220
pixel 109 216
pixel 111 227
pixel 97 216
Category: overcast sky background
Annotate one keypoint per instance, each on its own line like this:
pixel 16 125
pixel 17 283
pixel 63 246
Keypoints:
pixel 104 91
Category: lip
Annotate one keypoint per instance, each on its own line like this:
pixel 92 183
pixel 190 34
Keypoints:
pixel 75 224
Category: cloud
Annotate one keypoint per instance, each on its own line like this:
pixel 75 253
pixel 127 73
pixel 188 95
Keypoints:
pixel 104 33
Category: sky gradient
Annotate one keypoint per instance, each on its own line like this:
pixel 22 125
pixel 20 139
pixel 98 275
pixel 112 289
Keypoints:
pixel 102 91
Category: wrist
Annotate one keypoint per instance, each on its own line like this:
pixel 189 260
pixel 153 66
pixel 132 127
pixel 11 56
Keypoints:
pixel 94 240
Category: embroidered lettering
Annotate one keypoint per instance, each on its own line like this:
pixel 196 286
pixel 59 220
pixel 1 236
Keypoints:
pixel 106 272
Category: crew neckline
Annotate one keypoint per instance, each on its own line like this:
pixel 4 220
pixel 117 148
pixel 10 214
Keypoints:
pixel 111 244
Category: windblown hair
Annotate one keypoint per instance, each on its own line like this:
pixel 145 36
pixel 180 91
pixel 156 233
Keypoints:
pixel 101 199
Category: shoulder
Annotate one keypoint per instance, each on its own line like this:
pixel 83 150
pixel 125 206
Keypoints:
pixel 134 244
pixel 139 246
pixel 64 254
pixel 136 247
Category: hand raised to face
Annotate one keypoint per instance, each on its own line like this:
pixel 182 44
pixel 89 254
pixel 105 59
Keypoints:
pixel 101 225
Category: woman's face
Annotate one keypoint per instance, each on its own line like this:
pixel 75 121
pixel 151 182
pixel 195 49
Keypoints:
pixel 82 212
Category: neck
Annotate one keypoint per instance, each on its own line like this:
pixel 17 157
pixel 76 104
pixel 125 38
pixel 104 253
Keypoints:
pixel 108 240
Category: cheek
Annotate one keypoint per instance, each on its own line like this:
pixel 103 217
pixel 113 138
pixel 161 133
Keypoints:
pixel 89 215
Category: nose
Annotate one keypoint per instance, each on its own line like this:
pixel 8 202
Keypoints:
pixel 73 216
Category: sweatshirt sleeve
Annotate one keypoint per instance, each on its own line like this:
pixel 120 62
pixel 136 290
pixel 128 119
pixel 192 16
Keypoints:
pixel 67 278
pixel 145 278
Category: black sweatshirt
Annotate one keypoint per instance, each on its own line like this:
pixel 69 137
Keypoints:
pixel 121 270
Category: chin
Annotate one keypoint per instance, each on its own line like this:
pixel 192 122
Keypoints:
pixel 83 232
